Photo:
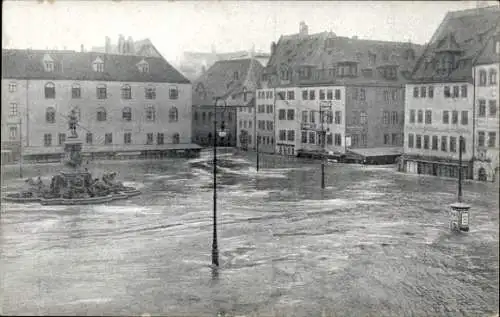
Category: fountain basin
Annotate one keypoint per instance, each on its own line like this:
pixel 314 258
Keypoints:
pixel 18 198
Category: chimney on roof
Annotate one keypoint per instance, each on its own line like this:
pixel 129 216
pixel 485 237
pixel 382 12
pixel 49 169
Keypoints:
pixel 107 45
pixel 303 29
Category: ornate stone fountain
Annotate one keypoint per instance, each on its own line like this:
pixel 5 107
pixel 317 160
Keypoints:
pixel 73 185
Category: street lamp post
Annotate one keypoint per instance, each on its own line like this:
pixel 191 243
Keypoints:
pixel 20 147
pixel 258 152
pixel 215 248
pixel 323 141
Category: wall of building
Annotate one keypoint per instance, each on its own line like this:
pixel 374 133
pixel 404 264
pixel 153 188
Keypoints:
pixel 203 130
pixel 88 104
pixel 487 154
pixel 384 110
pixel 13 109
pixel 291 125
pixel 437 104
pixel 245 116
pixel 267 114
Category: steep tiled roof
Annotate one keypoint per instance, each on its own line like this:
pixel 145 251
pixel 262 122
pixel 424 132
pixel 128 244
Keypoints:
pixel 323 51
pixel 488 54
pixel 463 32
pixel 219 80
pixel 71 65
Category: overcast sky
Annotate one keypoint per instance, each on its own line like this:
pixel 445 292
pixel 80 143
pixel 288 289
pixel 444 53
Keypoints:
pixel 177 26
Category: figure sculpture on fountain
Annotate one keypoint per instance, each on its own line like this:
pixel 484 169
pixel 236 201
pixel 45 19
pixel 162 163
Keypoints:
pixel 72 146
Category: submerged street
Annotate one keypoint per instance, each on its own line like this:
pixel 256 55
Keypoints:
pixel 373 242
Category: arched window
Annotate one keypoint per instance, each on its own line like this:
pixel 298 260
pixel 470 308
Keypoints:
pixel 50 115
pixel 493 77
pixel 126 92
pixel 173 115
pixel 173 92
pixel 150 113
pixel 482 77
pixel 176 138
pixel 77 113
pixel 101 114
pixel 76 91
pixel 127 114
pixel 50 91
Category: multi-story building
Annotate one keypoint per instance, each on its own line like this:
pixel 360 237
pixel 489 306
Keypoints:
pixel 440 97
pixel 265 119
pixel 486 69
pixel 233 83
pixel 351 88
pixel 125 103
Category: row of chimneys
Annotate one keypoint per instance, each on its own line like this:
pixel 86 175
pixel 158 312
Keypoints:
pixel 124 46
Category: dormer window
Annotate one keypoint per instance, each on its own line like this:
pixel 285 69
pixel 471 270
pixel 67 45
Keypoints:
pixel 48 63
pixel 98 65
pixel 143 66
pixel 372 58
pixel 305 72
pixel 347 69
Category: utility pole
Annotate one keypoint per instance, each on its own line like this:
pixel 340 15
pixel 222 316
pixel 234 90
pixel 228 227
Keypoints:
pixel 323 140
pixel 258 152
pixel 20 147
pixel 460 144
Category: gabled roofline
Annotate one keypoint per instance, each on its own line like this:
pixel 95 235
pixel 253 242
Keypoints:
pixel 480 52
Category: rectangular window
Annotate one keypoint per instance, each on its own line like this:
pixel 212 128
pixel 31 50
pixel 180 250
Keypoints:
pixel 304 116
pixel 329 139
pixel 304 95
pixel 47 139
pixel 89 138
pixel 394 118
pixel 481 138
pixel 423 91
pixel 149 138
pixel 312 117
pixel 355 140
pixel 62 138
pixel 101 93
pixel 355 118
pixel 312 137
pixel 412 116
pixel 337 94
pixel 13 109
pixel 282 114
pixel 464 91
pixel 312 94
pixel 419 141
pixel 329 115
pixel 291 95
pixel 444 143
pixel 447 93
pixel 492 105
pixel 76 92
pixel 282 135
pixel 456 91
pixel 304 137
pixel 431 92
pixel 446 116
pixel 173 93
pixel 435 142
pixel 290 114
pixel 482 108
pixel 492 139
pixel 150 93
pixel 428 116
pixel 420 116
pixel 465 117
pixel 12 133
pixel 386 138
pixel 415 92
pixel 454 117
pixel 385 117
pixel 127 138
pixel 291 135
pixel 322 94
pixel 108 138
pixel 12 87
pixel 463 145
pixel 410 141
pixel 362 94
pixel 338 139
pixel 426 142
pixel 329 94
pixel 395 140
pixel 338 117
pixel 453 144
pixel 160 138
pixel 355 93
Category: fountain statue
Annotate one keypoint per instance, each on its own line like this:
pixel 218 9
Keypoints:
pixel 73 185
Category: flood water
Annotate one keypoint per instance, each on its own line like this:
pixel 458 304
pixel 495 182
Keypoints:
pixel 374 242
